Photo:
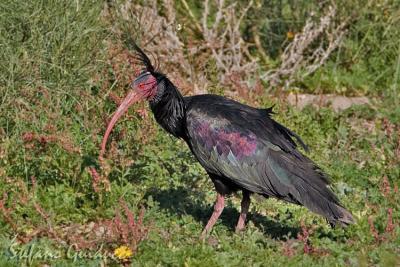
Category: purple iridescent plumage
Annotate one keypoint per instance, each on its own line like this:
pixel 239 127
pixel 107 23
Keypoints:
pixel 224 140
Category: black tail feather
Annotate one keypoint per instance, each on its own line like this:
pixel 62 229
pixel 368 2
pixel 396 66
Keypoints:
pixel 299 180
pixel 321 200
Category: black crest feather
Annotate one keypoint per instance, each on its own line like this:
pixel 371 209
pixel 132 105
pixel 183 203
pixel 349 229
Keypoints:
pixel 140 55
pixel 143 58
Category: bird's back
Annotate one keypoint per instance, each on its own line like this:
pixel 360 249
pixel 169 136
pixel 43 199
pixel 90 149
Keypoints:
pixel 229 113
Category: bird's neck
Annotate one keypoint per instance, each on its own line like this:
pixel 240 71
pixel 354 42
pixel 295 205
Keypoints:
pixel 169 110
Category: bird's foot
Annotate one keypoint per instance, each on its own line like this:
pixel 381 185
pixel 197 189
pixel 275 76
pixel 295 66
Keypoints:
pixel 203 235
pixel 239 229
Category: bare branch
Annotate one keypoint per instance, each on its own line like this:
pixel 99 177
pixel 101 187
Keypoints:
pixel 222 42
pixel 301 58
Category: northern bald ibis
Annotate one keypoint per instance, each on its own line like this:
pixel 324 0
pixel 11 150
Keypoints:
pixel 240 147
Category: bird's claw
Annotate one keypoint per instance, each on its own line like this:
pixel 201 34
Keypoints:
pixel 203 235
pixel 239 230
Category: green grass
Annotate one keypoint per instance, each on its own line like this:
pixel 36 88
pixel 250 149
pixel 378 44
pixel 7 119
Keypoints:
pixel 55 75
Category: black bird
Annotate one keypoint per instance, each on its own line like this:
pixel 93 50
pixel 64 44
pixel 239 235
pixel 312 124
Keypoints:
pixel 240 147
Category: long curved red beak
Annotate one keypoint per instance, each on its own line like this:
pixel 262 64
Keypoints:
pixel 130 99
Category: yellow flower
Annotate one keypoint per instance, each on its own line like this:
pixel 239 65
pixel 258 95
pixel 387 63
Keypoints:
pixel 123 252
pixel 290 35
pixel 386 13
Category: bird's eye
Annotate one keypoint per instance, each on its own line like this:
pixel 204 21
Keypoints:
pixel 141 85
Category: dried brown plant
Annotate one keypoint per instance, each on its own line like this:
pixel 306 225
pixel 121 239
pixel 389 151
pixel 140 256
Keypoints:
pixel 309 49
pixel 185 59
pixel 236 67
pixel 123 229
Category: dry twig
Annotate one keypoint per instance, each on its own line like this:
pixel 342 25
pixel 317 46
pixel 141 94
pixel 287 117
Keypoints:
pixel 309 50
pixel 187 59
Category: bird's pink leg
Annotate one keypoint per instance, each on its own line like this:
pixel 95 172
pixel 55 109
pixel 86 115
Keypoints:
pixel 218 208
pixel 243 213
